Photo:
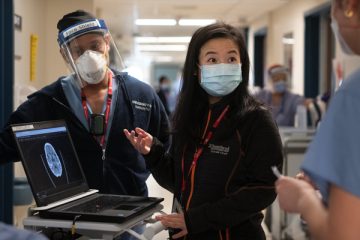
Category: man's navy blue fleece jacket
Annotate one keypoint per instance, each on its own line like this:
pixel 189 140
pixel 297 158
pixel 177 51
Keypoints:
pixel 123 171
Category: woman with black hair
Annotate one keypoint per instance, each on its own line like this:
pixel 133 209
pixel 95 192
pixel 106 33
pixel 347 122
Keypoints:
pixel 224 143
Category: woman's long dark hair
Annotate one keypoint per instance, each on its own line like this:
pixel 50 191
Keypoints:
pixel 193 100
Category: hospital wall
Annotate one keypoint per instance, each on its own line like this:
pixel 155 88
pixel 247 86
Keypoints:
pixel 287 19
pixel 32 23
pixel 40 17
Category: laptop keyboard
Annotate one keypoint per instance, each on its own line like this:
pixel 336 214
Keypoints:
pixel 101 203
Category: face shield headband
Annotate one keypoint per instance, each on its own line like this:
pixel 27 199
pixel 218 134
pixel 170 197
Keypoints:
pixel 79 29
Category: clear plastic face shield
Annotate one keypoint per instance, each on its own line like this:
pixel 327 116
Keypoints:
pixel 89 51
pixel 346 60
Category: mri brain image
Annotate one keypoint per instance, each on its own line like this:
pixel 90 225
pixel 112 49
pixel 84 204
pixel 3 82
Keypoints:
pixel 53 160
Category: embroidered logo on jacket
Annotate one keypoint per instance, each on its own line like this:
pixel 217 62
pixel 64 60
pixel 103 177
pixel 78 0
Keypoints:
pixel 219 149
pixel 142 106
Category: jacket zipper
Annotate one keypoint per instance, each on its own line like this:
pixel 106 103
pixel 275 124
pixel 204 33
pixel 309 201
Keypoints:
pixel 103 154
pixel 74 118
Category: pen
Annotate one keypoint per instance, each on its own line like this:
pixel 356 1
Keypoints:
pixel 276 171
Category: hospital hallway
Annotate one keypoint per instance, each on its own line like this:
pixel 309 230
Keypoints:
pixel 288 41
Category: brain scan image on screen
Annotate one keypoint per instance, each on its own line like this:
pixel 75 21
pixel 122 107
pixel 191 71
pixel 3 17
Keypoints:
pixel 53 160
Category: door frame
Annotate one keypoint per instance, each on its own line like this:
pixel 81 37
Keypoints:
pixel 6 102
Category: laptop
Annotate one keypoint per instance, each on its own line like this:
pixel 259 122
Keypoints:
pixel 58 182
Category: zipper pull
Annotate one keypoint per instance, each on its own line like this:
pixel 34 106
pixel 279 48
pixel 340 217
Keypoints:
pixel 103 154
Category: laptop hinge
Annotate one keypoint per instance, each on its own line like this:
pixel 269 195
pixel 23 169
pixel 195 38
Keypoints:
pixel 66 200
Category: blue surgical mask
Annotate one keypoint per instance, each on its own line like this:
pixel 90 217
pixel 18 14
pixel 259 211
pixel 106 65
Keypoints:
pixel 219 80
pixel 280 86
pixel 165 87
pixel 344 46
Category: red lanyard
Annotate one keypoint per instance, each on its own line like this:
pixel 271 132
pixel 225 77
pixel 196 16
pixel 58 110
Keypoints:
pixel 107 110
pixel 199 150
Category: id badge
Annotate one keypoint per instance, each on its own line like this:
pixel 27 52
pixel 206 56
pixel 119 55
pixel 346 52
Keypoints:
pixel 97 124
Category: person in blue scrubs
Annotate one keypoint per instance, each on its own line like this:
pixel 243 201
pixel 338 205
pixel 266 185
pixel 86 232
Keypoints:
pixel 278 98
pixel 8 232
pixel 332 162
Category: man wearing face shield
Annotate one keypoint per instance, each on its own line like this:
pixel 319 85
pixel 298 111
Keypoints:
pixel 282 102
pixel 97 103
pixel 332 162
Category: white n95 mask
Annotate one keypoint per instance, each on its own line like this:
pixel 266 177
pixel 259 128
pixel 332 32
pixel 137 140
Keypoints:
pixel 91 66
pixel 219 80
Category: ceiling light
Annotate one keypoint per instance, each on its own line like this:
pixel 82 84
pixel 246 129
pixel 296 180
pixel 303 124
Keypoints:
pixel 286 40
pixel 162 48
pixel 162 39
pixel 164 59
pixel 196 22
pixel 156 22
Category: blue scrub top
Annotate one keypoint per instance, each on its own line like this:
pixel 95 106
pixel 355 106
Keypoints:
pixel 334 155
pixel 73 95
pixel 8 232
pixel 284 115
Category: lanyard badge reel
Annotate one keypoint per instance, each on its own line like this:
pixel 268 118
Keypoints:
pixel 97 124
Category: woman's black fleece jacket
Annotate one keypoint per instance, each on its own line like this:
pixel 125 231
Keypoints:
pixel 233 180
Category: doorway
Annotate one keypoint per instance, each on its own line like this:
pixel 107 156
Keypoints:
pixel 259 57
pixel 319 51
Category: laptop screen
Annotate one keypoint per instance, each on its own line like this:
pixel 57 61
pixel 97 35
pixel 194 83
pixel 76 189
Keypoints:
pixel 50 161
